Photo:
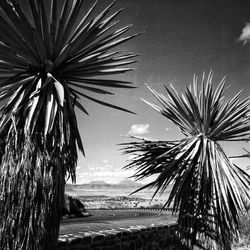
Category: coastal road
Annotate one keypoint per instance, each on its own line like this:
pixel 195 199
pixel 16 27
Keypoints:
pixel 115 219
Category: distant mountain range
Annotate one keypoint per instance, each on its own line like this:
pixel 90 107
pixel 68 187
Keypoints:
pixel 102 185
pixel 99 184
pixel 123 182
pixel 102 188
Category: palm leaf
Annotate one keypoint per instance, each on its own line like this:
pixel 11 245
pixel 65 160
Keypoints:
pixel 208 189
pixel 70 49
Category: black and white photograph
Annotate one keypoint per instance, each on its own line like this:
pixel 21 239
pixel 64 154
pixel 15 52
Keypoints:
pixel 124 125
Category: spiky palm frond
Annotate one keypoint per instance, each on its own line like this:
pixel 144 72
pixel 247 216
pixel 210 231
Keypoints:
pixel 207 187
pixel 52 54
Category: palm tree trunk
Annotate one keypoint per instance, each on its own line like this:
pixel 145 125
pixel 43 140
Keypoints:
pixel 31 193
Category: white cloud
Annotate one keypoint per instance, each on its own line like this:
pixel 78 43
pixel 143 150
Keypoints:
pixel 107 176
pixel 101 172
pixel 245 35
pixel 139 129
pixel 98 168
pixel 106 172
pixel 107 166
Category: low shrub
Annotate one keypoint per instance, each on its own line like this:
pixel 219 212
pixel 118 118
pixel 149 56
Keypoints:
pixel 244 230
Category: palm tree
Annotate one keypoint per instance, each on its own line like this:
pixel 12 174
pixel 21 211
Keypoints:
pixel 51 54
pixel 208 188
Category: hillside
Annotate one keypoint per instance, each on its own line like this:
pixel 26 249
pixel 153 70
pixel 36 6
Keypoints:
pixel 100 184
pixel 130 184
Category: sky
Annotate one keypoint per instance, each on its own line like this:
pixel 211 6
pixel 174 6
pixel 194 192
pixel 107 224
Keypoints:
pixel 181 38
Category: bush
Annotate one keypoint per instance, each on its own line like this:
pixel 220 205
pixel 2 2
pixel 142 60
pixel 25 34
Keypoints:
pixel 245 225
pixel 244 230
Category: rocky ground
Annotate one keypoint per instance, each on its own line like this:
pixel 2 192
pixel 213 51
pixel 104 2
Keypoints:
pixel 110 202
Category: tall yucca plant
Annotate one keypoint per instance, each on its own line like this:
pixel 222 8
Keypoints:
pixel 208 189
pixel 51 55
